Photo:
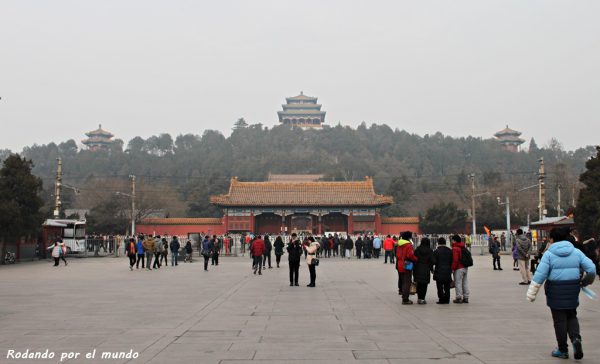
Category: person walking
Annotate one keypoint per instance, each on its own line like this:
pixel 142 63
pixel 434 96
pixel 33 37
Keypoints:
pixel 139 249
pixel 523 245
pixel 461 282
pixel 206 251
pixel 311 260
pixel 388 248
pixel 294 250
pixel 267 253
pixel 188 252
pixel 58 252
pixel 149 250
pixel 131 252
pixel 278 245
pixel 494 248
pixel 515 257
pixel 503 242
pixel 441 260
pixel 422 269
pixel 405 259
pixel 216 250
pixel 158 251
pixel 174 247
pixel 258 249
pixel 348 245
pixel 561 267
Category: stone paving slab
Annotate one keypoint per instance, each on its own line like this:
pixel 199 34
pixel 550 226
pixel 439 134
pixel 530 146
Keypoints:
pixel 228 315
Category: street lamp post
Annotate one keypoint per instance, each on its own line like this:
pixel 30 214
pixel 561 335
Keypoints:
pixel 132 196
pixel 507 203
pixel 473 195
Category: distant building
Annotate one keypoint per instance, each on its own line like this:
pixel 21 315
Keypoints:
pixel 98 139
pixel 302 111
pixel 509 139
pixel 292 203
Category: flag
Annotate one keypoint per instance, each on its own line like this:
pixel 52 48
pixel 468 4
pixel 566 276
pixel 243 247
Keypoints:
pixel 487 230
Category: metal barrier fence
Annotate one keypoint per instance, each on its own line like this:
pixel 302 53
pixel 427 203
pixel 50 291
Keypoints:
pixel 117 245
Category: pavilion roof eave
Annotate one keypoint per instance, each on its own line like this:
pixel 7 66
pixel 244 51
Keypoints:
pixel 301 112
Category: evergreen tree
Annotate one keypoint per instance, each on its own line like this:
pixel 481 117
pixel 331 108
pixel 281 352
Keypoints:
pixel 533 147
pixel 443 218
pixel 587 212
pixel 108 217
pixel 20 200
pixel 240 124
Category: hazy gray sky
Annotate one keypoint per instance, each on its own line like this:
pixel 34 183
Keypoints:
pixel 145 67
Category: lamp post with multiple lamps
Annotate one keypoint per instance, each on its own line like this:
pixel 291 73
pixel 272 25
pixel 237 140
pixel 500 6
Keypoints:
pixel 132 196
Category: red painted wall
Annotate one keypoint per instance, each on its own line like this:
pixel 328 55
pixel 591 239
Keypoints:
pixel 396 229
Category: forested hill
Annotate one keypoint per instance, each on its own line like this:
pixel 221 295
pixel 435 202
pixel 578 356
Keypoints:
pixel 418 171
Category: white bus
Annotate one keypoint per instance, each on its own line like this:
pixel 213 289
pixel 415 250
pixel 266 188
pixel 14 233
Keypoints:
pixel 72 233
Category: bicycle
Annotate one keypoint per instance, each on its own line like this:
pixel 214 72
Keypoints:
pixel 9 258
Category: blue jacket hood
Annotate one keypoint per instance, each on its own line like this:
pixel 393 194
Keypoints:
pixel 561 248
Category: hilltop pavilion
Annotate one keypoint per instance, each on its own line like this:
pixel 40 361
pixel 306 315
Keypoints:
pixel 98 139
pixel 509 139
pixel 302 111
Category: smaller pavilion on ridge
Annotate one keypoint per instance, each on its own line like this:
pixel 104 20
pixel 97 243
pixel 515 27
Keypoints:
pixel 510 139
pixel 98 139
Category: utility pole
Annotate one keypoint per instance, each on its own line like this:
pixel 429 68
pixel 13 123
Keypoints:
pixel 132 204
pixel 474 231
pixel 542 190
pixel 558 214
pixel 57 188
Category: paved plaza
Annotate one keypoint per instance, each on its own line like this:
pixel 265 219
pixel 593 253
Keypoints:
pixel 229 315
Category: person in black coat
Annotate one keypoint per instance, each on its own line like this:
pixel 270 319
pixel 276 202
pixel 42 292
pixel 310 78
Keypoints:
pixel 422 269
pixel 348 245
pixel 441 260
pixel 267 253
pixel 294 250
pixel 368 247
pixel 278 245
pixel 359 245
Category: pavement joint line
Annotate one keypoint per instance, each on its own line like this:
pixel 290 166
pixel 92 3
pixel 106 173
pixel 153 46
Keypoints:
pixel 411 317
pixel 186 325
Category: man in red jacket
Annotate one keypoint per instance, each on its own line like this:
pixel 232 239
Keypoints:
pixel 405 259
pixel 388 248
pixel 461 282
pixel 257 250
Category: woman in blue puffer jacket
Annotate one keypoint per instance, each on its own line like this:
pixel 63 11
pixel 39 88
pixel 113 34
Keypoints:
pixel 561 268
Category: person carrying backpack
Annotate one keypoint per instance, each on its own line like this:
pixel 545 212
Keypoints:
pixel 460 271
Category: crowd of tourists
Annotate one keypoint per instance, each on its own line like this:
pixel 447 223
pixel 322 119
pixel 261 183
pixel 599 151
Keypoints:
pixel 153 251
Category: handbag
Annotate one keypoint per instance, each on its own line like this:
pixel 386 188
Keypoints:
pixel 452 285
pixel 408 265
pixel 413 288
pixel 315 262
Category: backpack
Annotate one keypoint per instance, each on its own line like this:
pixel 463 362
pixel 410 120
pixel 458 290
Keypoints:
pixel 465 258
